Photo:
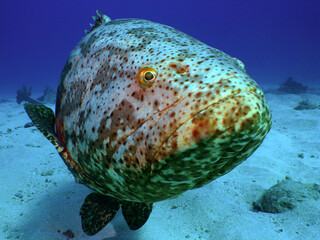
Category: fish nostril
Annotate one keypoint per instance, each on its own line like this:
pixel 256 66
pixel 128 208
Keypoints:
pixel 180 68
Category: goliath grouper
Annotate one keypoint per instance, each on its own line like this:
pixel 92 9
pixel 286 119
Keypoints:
pixel 144 113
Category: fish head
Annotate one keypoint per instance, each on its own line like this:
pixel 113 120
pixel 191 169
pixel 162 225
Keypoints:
pixel 200 113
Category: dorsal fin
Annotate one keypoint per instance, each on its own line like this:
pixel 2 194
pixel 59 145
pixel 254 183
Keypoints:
pixel 102 18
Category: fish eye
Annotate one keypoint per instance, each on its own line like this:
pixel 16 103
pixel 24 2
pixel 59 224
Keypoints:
pixel 147 77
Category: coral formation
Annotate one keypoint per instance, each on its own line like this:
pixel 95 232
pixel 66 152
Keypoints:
pixel 49 96
pixel 291 86
pixel 23 94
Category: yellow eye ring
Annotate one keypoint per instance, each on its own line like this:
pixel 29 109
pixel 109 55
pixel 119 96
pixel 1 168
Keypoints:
pixel 147 77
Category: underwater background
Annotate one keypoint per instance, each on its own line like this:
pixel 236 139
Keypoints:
pixel 275 39
pixel 274 194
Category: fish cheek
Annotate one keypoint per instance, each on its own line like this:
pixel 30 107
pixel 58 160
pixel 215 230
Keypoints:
pixel 116 127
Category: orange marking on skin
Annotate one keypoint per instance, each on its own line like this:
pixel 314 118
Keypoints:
pixel 201 129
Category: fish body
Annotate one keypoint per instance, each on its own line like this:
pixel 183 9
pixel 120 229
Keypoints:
pixel 145 112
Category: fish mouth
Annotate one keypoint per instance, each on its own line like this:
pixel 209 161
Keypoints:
pixel 233 115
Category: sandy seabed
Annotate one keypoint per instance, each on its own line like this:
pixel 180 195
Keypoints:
pixel 40 200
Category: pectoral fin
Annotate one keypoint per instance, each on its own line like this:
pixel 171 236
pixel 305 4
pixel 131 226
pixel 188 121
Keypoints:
pixel 43 118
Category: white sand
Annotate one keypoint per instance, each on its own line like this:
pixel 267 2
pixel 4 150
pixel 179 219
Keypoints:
pixel 39 198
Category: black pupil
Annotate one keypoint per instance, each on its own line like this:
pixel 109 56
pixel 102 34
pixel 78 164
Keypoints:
pixel 148 76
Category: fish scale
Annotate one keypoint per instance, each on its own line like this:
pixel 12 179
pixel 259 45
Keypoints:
pixel 145 112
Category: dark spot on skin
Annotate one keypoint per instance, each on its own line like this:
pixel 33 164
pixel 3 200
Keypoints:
pixel 198 94
pixel 173 65
pixel 156 103
pixel 174 145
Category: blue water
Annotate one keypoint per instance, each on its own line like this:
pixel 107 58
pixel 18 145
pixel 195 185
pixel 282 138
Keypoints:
pixel 275 39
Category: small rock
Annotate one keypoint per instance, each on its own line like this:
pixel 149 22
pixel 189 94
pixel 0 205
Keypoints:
pixel 68 233
pixel 305 105
pixel 29 124
pixel 47 172
pixel 285 196
pixel 19 195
